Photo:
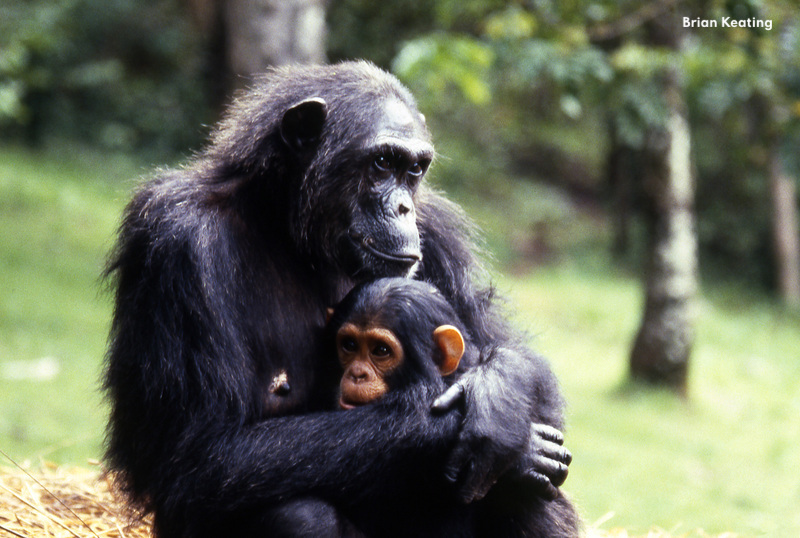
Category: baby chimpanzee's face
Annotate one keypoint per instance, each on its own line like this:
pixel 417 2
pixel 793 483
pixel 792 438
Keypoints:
pixel 369 355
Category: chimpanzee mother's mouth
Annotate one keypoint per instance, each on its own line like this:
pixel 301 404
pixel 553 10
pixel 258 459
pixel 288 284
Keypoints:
pixel 406 258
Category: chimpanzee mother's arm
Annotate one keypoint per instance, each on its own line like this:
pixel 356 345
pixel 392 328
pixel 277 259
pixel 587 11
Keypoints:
pixel 513 408
pixel 344 457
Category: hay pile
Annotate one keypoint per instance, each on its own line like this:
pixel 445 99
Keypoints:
pixel 79 503
pixel 56 502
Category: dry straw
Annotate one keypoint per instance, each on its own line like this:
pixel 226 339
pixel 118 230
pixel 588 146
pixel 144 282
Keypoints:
pixel 70 503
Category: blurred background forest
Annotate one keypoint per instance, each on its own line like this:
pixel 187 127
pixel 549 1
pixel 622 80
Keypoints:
pixel 635 179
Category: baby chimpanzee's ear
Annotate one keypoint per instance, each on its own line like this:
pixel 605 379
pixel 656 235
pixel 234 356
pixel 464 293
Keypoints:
pixel 451 345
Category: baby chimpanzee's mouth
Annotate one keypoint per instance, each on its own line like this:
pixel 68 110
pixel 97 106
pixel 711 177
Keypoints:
pixel 348 405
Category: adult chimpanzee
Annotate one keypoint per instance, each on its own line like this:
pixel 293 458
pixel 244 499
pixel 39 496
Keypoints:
pixel 396 338
pixel 217 373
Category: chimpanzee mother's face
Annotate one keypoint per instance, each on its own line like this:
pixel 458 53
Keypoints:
pixel 383 230
pixel 364 161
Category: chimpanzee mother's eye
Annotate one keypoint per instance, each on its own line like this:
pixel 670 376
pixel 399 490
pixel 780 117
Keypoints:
pixel 384 163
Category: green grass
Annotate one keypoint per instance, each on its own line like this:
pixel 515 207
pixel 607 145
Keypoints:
pixel 727 459
pixel 58 213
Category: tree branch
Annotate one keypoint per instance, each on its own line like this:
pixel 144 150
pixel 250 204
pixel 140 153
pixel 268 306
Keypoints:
pixel 628 23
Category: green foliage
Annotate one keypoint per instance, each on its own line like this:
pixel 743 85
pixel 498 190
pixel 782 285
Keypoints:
pixel 109 73
pixel 439 62
pixel 567 71
pixel 512 23
pixel 376 30
pixel 638 106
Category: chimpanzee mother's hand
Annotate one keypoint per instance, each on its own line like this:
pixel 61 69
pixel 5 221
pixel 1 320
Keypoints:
pixel 497 437
pixel 545 465
pixel 496 429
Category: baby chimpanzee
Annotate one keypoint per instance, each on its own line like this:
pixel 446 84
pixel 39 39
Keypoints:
pixel 399 340
pixel 383 339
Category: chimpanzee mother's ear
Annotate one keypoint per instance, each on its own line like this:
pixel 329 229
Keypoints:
pixel 451 346
pixel 301 125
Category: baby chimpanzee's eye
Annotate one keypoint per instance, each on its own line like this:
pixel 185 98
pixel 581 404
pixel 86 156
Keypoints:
pixel 349 345
pixel 381 351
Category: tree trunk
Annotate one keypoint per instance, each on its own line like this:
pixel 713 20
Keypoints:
pixel 663 345
pixel 621 178
pixel 785 229
pixel 263 33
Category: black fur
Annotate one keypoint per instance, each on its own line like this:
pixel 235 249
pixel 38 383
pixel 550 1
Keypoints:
pixel 412 310
pixel 223 271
